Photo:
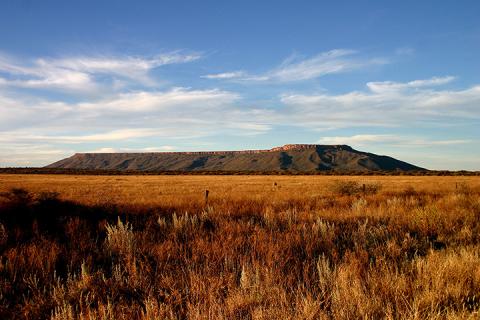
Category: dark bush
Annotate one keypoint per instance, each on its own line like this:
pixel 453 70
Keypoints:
pixel 350 188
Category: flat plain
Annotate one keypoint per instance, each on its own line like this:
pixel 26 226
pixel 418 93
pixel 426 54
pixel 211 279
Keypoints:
pixel 260 247
pixel 177 189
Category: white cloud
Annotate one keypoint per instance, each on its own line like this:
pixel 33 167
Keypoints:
pixel 226 75
pixel 81 73
pixel 128 67
pixel 178 105
pixel 294 69
pixel 122 66
pixel 25 154
pixel 150 101
pixel 114 135
pixel 360 139
pixel 441 160
pixel 334 61
pixel 133 150
pixel 126 119
pixel 41 74
pixel 392 140
pixel 385 104
pixel 395 86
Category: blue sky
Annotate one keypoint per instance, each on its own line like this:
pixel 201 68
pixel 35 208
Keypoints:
pixel 400 78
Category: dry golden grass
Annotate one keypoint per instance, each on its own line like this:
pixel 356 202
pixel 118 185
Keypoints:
pixel 161 190
pixel 264 247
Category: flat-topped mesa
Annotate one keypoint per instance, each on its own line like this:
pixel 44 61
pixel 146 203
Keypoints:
pixel 290 157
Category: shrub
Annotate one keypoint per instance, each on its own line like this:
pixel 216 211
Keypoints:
pixel 18 196
pixel 350 188
pixel 409 192
pixel 346 188
pixel 48 196
pixel 372 188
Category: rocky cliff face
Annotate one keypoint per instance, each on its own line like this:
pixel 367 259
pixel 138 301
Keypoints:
pixel 291 157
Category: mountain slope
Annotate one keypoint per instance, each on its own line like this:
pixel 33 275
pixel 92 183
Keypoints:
pixel 297 157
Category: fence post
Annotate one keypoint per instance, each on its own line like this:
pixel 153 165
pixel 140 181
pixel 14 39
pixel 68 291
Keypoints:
pixel 206 196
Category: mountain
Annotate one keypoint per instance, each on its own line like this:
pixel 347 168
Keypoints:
pixel 292 157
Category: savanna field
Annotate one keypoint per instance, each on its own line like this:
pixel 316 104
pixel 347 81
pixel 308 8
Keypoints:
pixel 260 247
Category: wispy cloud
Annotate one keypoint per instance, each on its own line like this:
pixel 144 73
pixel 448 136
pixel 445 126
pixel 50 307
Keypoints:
pixel 136 68
pixel 114 135
pixel 334 61
pixel 385 104
pixel 28 154
pixel 83 73
pixel 297 69
pixel 149 149
pixel 391 86
pixel 360 139
pixel 157 101
pixel 226 75
pixel 392 140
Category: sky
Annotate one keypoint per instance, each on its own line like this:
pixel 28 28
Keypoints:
pixel 399 78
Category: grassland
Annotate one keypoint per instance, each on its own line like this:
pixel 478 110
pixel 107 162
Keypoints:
pixel 261 247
